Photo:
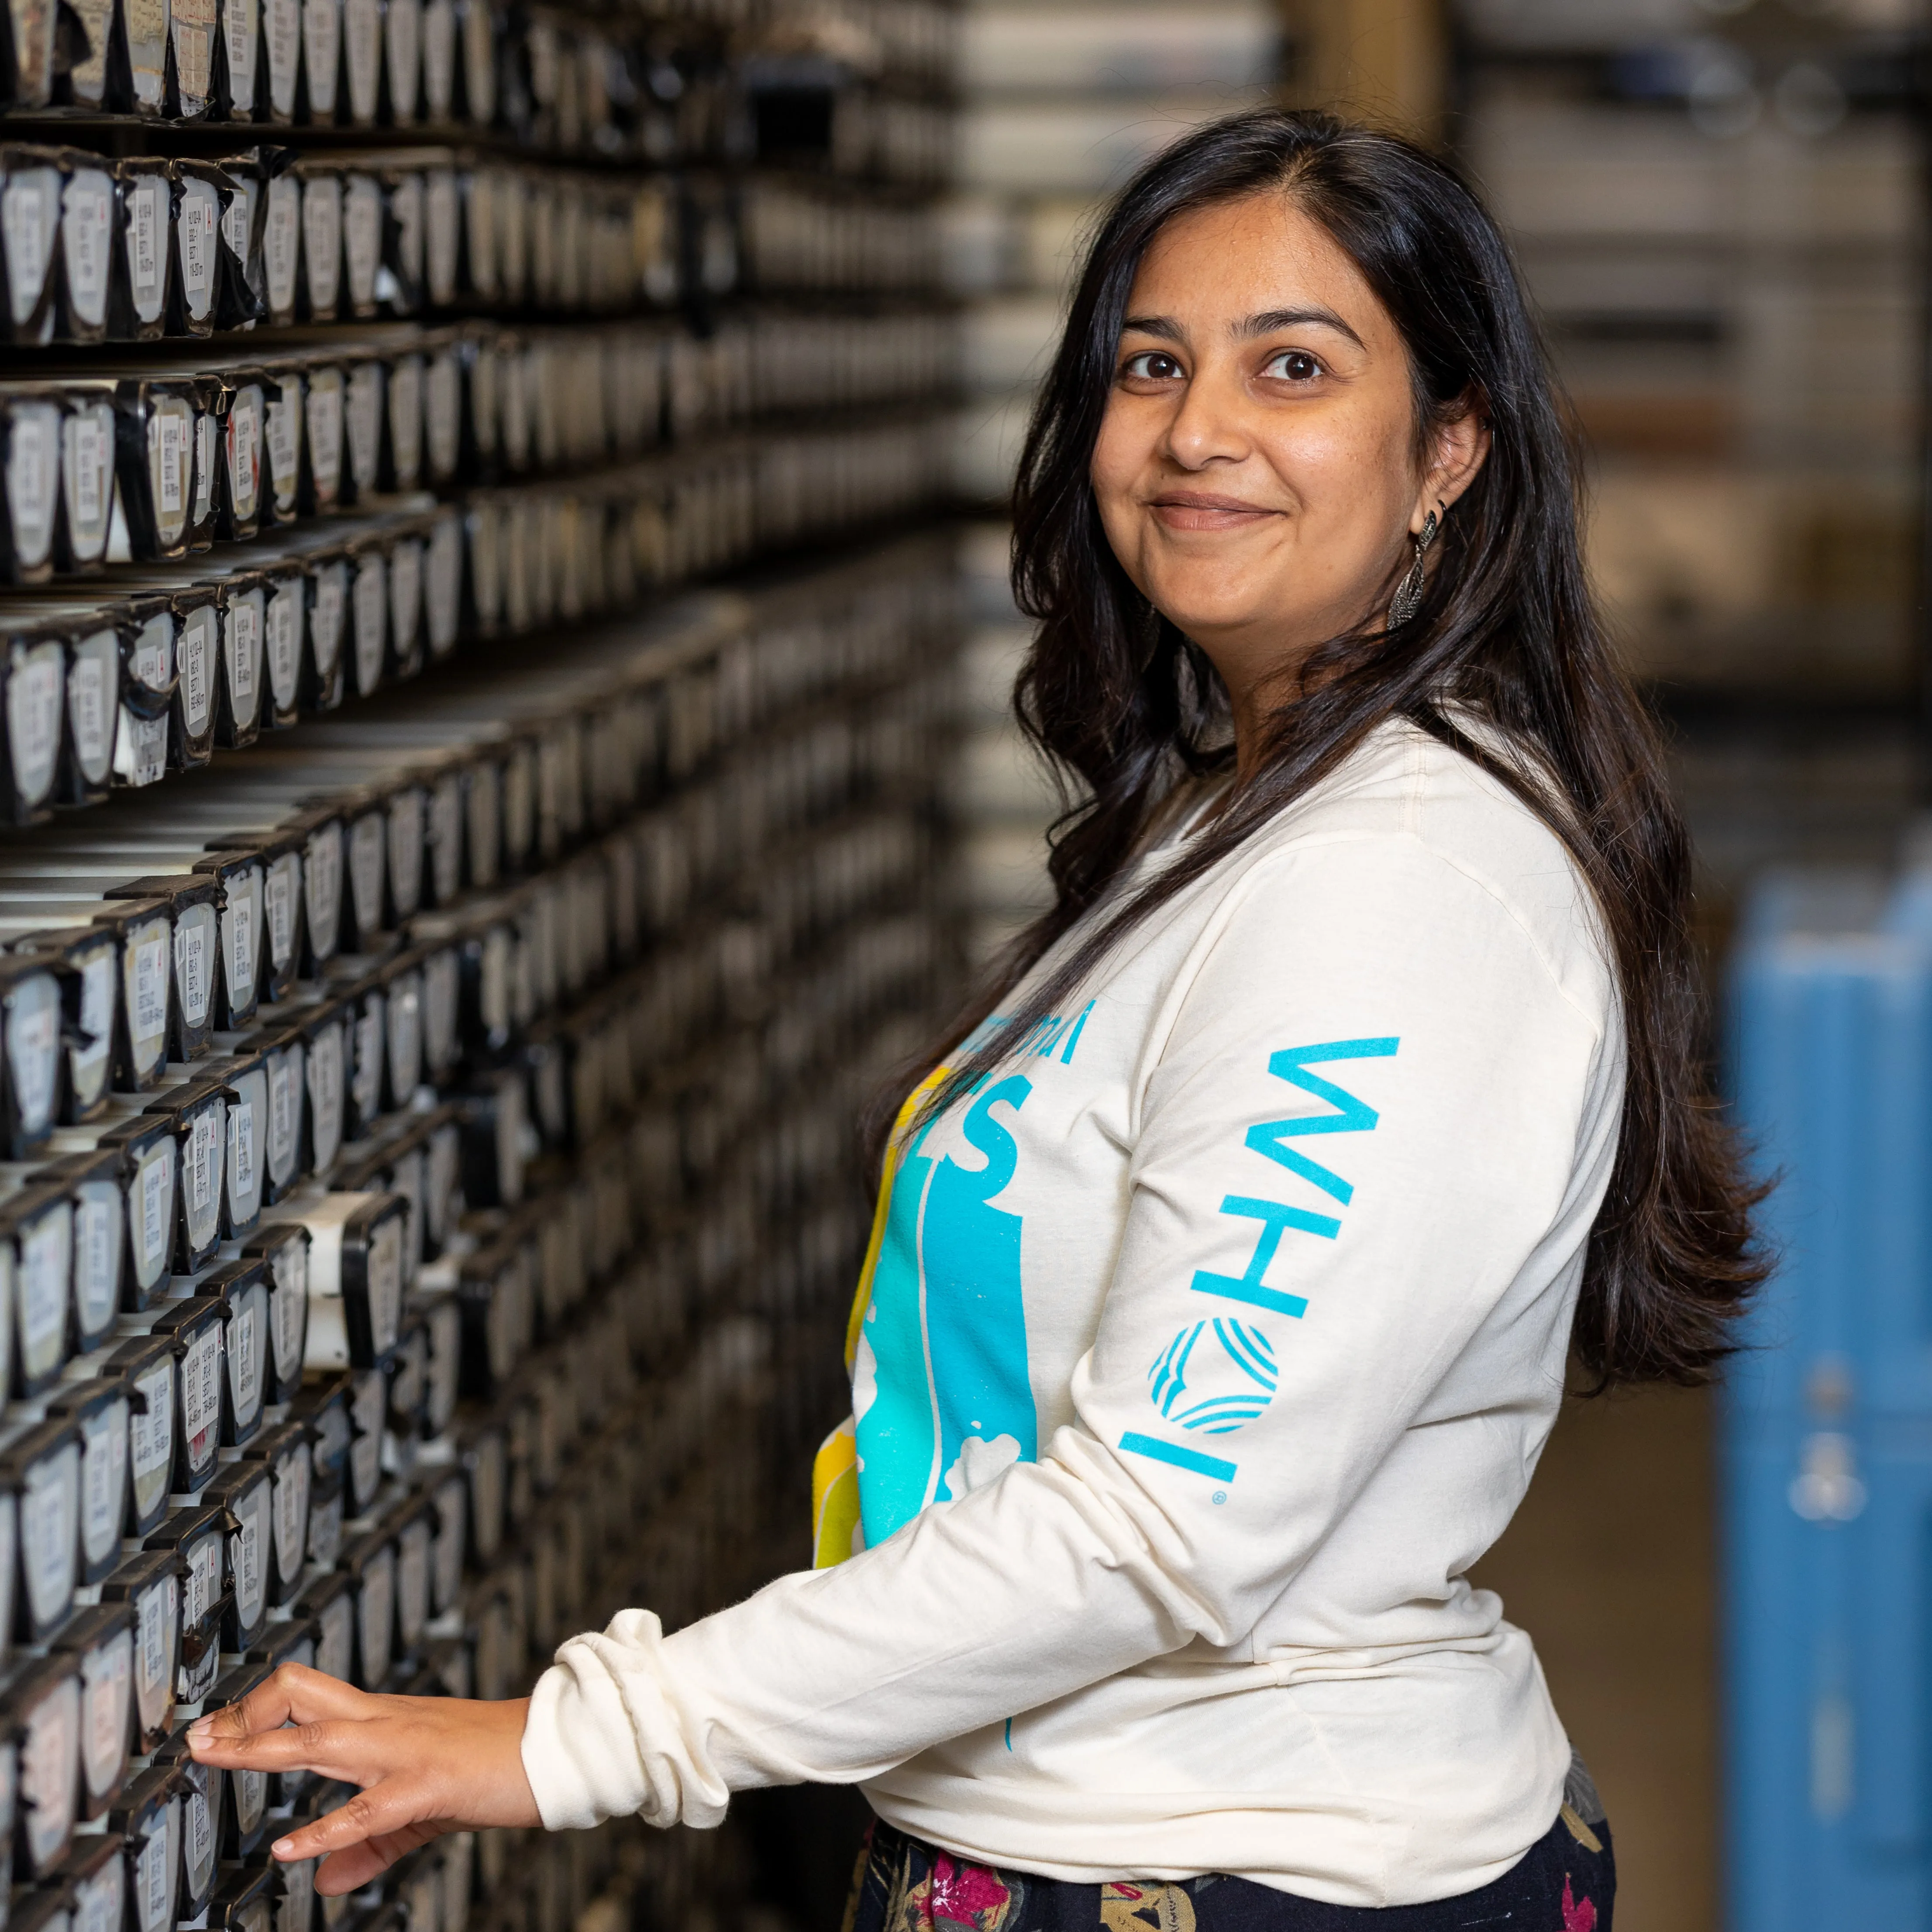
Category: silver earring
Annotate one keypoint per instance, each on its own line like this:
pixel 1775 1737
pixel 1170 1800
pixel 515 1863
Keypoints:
pixel 1407 598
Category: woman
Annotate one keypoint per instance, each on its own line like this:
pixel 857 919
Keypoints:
pixel 1227 1264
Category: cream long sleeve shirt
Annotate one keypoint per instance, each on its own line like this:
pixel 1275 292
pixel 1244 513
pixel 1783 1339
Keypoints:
pixel 1206 1346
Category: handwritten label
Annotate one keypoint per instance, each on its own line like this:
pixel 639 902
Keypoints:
pixel 245 652
pixel 146 210
pixel 283 644
pixel 195 655
pixel 150 1014
pixel 239 29
pixel 33 470
pixel 87 228
pixel 194 231
pixel 157 1197
pixel 281 242
pixel 169 431
pixel 34 719
pixel 191 974
pixel 28 204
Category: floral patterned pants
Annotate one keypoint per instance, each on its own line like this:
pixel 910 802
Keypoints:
pixel 1566 1882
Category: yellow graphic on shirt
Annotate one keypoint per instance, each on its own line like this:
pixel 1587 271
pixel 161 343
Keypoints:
pixel 1146 1908
pixel 836 1530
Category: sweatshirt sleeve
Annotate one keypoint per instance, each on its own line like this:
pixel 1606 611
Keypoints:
pixel 1358 1124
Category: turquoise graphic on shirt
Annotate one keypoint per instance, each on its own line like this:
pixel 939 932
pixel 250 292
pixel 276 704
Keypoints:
pixel 941 1398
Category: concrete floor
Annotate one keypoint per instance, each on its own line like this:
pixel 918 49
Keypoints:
pixel 1609 1565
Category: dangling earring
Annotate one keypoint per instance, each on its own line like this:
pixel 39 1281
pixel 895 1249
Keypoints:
pixel 1407 598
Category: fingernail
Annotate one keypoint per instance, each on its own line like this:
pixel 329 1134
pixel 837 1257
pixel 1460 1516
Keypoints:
pixel 284 1848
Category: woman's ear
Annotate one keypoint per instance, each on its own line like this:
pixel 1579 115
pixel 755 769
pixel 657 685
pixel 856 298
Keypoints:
pixel 1458 448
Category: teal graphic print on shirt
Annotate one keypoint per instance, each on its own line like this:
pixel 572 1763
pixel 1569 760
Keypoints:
pixel 1219 1375
pixel 942 1401
pixel 1216 1377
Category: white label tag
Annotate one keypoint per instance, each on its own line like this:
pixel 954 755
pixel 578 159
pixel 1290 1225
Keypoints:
pixel 245 652
pixel 405 594
pixel 245 452
pixel 157 1197
pixel 363 417
pixel 241 1147
pixel 281 436
pixel 144 241
pixel 239 919
pixel 151 1442
pixel 195 654
pixel 47 1256
pixel 154 1863
pixel 87 226
pixel 371 623
pixel 88 712
pixel 150 1017
pixel 171 476
pixel 443 415
pixel 244 1341
pixel 322 887
pixel 283 1071
pixel 362 232
pixel 322 46
pixel 204 466
pixel 90 471
pixel 97 1009
pixel 237 224
pixel 28 209
pixel 442 214
pixel 191 973
pixel 281 239
pixel 404 23
pixel 96 1258
pixel 365 870
pixel 368 1081
pixel 102 1462
pixel 33 472
pixel 278 901
pixel 362 31
pixel 324 1097
pixel 238 30
pixel 291 1512
pixel 406 419
pixel 442 584
pixel 324 434
pixel 201 1415
pixel 289 1311
pixel 282 21
pixel 321 242
pixel 195 231
pixel 283 644
pixel 33 719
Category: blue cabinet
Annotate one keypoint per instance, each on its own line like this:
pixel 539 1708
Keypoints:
pixel 1826 1454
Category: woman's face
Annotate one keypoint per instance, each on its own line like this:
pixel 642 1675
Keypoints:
pixel 1257 470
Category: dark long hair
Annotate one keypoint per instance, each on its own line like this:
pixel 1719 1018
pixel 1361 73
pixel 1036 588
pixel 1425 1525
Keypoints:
pixel 1507 634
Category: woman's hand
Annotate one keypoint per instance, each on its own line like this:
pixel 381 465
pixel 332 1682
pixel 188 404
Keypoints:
pixel 426 1765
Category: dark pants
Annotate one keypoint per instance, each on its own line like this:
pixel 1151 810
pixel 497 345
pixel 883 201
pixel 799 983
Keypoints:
pixel 1566 1882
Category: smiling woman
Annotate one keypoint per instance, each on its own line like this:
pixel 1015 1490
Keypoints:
pixel 1229 1248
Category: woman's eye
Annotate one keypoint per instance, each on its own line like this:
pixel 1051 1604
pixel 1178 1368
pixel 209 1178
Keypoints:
pixel 1153 365
pixel 1293 365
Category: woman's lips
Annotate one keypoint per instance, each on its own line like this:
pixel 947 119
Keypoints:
pixel 1190 510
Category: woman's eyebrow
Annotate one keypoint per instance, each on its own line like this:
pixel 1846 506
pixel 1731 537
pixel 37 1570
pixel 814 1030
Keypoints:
pixel 1269 320
pixel 1163 326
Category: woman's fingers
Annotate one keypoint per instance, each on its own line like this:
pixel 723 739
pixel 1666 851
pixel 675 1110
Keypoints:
pixel 373 1822
pixel 293 1694
pixel 336 1750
